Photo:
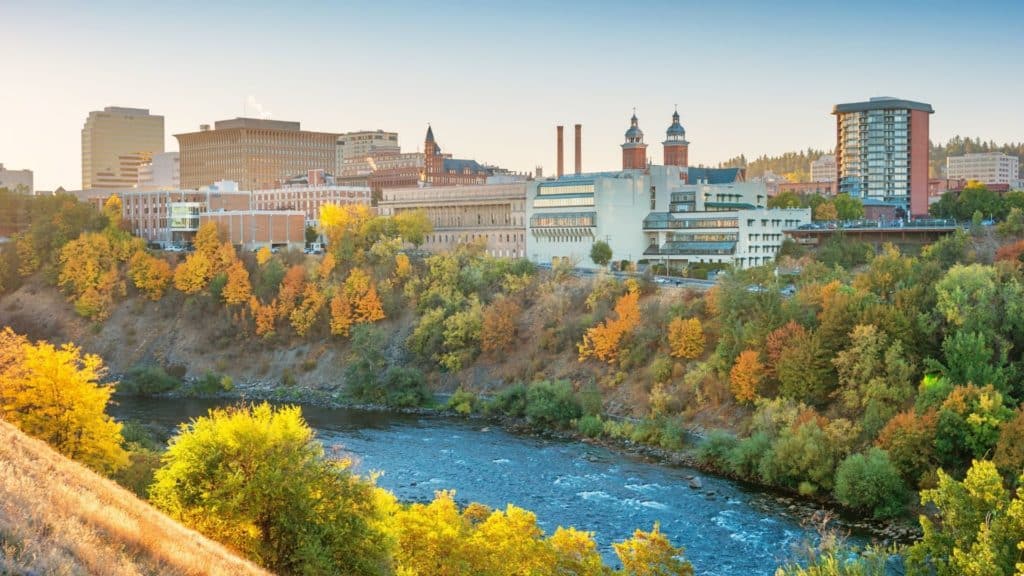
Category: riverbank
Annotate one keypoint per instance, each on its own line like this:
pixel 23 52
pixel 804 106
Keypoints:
pixel 809 511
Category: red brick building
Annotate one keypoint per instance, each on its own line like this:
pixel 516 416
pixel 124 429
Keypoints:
pixel 443 170
pixel 634 150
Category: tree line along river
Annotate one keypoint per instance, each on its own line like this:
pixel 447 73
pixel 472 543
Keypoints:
pixel 727 528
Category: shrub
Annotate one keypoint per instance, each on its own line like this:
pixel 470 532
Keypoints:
pixel 463 401
pixel 212 383
pixel 745 459
pixel 590 426
pixel 552 403
pixel 511 402
pixel 405 387
pixel 147 381
pixel 870 482
pixel 287 378
pixel 716 448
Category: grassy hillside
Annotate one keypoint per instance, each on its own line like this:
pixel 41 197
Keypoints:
pixel 57 517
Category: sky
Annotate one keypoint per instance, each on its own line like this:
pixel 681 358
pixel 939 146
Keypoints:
pixel 494 78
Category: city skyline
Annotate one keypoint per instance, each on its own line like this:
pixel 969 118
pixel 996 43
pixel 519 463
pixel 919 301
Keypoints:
pixel 495 82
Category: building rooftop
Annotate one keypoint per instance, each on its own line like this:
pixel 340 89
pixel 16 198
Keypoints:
pixel 882 103
pixel 256 123
pixel 714 175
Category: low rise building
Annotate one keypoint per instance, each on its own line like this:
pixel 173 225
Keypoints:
pixel 488 213
pixel 308 198
pixel 172 216
pixel 989 168
pixel 821 188
pixel 254 229
pixel 17 180
pixel 673 214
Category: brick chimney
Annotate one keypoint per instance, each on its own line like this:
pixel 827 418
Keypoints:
pixel 561 153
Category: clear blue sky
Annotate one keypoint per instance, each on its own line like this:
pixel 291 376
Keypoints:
pixel 495 77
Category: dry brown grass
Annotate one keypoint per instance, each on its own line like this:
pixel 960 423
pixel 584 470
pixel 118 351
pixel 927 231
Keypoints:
pixel 58 517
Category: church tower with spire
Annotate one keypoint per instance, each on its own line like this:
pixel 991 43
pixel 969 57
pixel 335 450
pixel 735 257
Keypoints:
pixel 634 151
pixel 432 160
pixel 675 145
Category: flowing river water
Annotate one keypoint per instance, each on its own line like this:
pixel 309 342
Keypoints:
pixel 727 528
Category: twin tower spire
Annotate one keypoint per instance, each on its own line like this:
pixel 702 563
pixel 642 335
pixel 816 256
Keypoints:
pixel 634 150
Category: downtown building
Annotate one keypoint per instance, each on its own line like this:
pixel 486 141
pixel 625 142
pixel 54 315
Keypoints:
pixel 257 154
pixel 882 152
pixel 17 180
pixel 115 142
pixel 670 214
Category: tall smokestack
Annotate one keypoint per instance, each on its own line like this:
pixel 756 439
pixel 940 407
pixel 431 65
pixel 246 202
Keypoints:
pixel 579 149
pixel 561 154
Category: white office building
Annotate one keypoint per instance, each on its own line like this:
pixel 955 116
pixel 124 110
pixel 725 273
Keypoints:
pixel 665 214
pixel 988 168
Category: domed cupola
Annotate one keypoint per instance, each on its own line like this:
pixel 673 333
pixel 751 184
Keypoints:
pixel 676 131
pixel 634 135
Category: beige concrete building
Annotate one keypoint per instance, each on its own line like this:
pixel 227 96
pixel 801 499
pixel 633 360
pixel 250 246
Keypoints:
pixel 253 229
pixel 16 180
pixel 358 145
pixel 986 167
pixel 309 199
pixel 491 213
pixel 162 171
pixel 258 154
pixel 115 141
pixel 824 169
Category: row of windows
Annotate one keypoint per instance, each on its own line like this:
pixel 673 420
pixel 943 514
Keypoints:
pixel 706 237
pixel 563 202
pixel 674 224
pixel 562 220
pixel 448 238
pixel 549 189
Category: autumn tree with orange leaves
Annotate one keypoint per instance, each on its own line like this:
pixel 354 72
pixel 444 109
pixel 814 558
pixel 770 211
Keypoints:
pixel 265 317
pixel 498 332
pixel 341 314
pixel 238 289
pixel 746 376
pixel 603 341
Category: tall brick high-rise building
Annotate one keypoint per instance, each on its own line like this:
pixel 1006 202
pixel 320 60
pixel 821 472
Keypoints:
pixel 882 152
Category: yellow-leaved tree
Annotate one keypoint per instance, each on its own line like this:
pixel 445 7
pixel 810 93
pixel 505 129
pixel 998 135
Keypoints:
pixel 304 316
pixel 403 268
pixel 54 394
pixel 194 274
pixel 602 341
pixel 686 338
pixel 264 315
pixel 263 255
pixel 237 290
pixel 341 314
pixel 151 275
pixel 651 554
pixel 499 327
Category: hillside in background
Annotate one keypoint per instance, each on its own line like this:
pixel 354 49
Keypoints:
pixel 795 166
pixel 58 517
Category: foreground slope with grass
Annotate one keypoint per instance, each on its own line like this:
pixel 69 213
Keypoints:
pixel 58 517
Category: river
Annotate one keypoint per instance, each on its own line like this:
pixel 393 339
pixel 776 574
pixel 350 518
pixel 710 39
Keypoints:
pixel 737 530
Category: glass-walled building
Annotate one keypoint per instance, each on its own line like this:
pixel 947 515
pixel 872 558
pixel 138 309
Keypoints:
pixel 882 152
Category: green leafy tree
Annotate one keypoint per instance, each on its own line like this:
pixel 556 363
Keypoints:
pixel 413 226
pixel 871 483
pixel 848 208
pixel 256 479
pixel 601 253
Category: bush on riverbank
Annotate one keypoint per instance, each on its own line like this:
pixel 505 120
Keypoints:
pixel 147 381
pixel 870 483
